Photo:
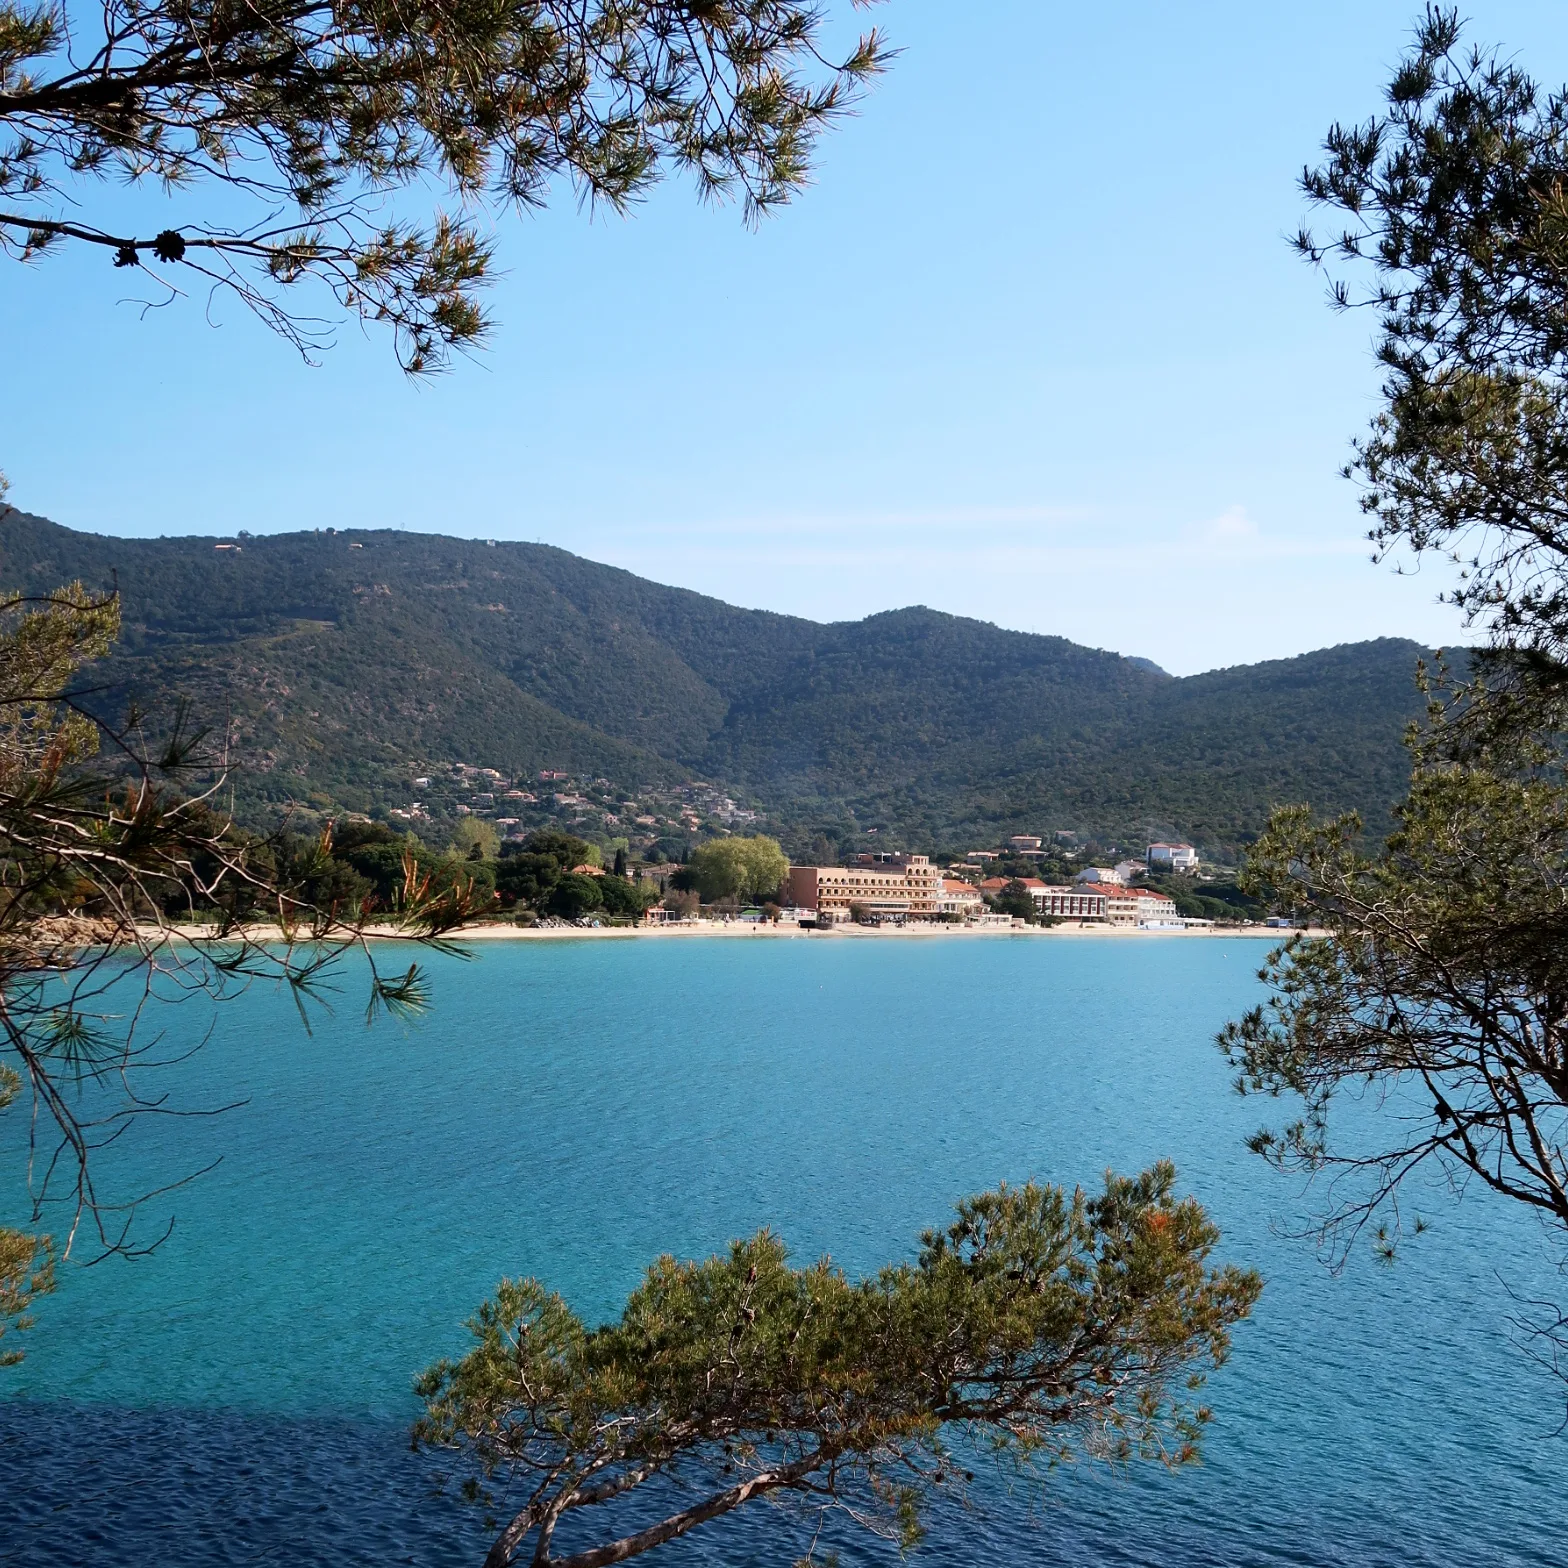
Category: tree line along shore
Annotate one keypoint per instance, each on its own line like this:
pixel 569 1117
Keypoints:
pixel 550 880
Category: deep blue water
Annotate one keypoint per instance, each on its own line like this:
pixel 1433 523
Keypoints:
pixel 572 1110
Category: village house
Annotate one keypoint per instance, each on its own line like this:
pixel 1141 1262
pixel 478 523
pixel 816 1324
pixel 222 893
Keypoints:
pixel 1172 857
pixel 992 887
pixel 958 897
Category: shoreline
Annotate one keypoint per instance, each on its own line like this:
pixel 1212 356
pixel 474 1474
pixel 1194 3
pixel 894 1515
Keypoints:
pixel 717 928
pixel 496 931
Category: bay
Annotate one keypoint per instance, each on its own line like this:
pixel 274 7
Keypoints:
pixel 571 1110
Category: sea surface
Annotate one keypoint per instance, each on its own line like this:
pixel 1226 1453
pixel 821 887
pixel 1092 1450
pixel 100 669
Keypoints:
pixel 572 1110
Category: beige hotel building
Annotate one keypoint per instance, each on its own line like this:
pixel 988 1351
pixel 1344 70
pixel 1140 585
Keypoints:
pixel 887 885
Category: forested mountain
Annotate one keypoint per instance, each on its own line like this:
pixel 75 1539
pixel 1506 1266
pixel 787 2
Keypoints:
pixel 346 662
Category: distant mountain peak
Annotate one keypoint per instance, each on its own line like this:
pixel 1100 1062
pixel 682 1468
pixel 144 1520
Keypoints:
pixel 1147 664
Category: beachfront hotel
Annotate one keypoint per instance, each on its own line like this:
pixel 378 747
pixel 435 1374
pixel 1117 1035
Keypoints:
pixel 1079 902
pixel 886 886
pixel 1137 906
pixel 909 887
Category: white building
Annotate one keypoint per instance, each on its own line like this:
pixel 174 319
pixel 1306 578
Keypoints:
pixel 1100 874
pixel 1139 906
pixel 1172 857
pixel 958 897
pixel 1082 902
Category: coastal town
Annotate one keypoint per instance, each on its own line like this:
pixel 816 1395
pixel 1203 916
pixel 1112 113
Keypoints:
pixel 624 857
pixel 899 892
pixel 898 888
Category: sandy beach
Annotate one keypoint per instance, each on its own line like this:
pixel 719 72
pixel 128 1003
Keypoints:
pixel 501 931
pixel 913 932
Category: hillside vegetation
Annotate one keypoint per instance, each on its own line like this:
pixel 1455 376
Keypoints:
pixel 347 662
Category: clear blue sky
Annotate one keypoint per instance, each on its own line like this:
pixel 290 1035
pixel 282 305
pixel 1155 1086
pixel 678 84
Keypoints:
pixel 1032 349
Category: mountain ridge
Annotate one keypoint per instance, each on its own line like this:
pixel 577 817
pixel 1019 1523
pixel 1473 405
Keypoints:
pixel 348 659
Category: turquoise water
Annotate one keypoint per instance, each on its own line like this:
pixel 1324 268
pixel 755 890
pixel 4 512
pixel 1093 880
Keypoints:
pixel 571 1110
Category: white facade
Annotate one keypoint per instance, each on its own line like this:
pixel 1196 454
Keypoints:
pixel 959 898
pixel 1083 902
pixel 1172 857
pixel 1139 906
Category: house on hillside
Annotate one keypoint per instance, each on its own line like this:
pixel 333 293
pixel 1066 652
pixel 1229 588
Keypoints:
pixel 1172 857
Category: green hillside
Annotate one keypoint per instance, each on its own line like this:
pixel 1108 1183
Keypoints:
pixel 345 664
